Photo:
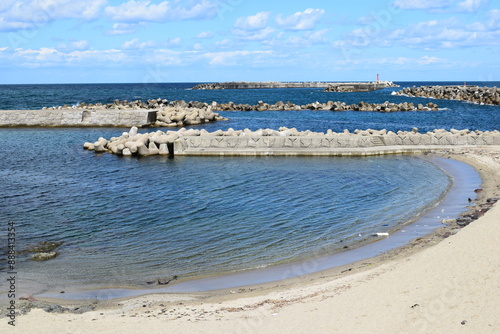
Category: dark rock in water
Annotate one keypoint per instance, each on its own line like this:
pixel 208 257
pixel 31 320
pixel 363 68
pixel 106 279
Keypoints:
pixel 479 190
pixel 43 247
pixel 43 256
pixel 166 280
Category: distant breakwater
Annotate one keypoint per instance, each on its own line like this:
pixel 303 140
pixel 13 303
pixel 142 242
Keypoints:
pixel 475 94
pixel 286 141
pixel 328 86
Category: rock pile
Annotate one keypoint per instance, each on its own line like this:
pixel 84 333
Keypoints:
pixel 330 105
pixel 475 94
pixel 204 111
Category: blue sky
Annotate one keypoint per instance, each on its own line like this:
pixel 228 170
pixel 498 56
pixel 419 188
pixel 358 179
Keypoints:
pixel 148 41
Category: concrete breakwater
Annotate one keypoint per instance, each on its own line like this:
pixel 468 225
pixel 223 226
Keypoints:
pixel 475 94
pixel 359 86
pixel 331 86
pixel 286 141
pixel 67 118
pixel 330 105
pixel 159 113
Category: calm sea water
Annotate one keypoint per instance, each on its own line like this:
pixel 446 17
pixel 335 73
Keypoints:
pixel 127 221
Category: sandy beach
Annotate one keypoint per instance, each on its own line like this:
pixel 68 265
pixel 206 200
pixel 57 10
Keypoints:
pixel 445 282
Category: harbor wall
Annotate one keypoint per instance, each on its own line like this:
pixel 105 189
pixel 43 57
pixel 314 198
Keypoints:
pixel 68 118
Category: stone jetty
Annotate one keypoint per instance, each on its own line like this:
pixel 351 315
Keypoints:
pixel 475 94
pixel 330 105
pixel 329 86
pixel 286 141
pixel 359 86
pixel 156 113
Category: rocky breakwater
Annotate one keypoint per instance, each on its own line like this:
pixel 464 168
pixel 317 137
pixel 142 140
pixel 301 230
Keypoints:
pixel 286 141
pixel 330 105
pixel 475 94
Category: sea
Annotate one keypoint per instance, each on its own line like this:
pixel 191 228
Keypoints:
pixel 127 222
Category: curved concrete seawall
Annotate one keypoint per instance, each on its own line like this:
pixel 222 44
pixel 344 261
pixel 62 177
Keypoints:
pixel 64 117
pixel 288 142
pixel 324 145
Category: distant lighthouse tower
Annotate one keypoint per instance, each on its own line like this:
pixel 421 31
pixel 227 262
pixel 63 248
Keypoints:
pixel 378 79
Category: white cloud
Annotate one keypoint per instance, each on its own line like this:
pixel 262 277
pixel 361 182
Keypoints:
pixel 145 11
pixel 254 22
pixel 254 35
pixel 80 45
pixel 45 57
pixel 494 19
pixel 224 43
pixel 173 42
pixel 449 33
pixel 469 5
pixel 205 35
pixel 231 58
pixel 305 20
pixel 34 14
pixel 306 39
pixel 422 4
pixel 124 28
pixel 426 60
pixel 253 28
pixel 136 44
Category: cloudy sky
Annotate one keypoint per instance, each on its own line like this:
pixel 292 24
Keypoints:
pixel 76 41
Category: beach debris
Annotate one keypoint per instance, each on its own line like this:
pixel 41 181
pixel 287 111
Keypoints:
pixel 415 305
pixel 43 256
pixel 479 190
pixel 463 322
pixel 464 221
pixel 380 234
pixel 492 200
pixel 344 271
pixel 448 221
pixel 165 281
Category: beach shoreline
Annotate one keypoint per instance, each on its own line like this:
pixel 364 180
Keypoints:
pixel 451 204
pixel 265 302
